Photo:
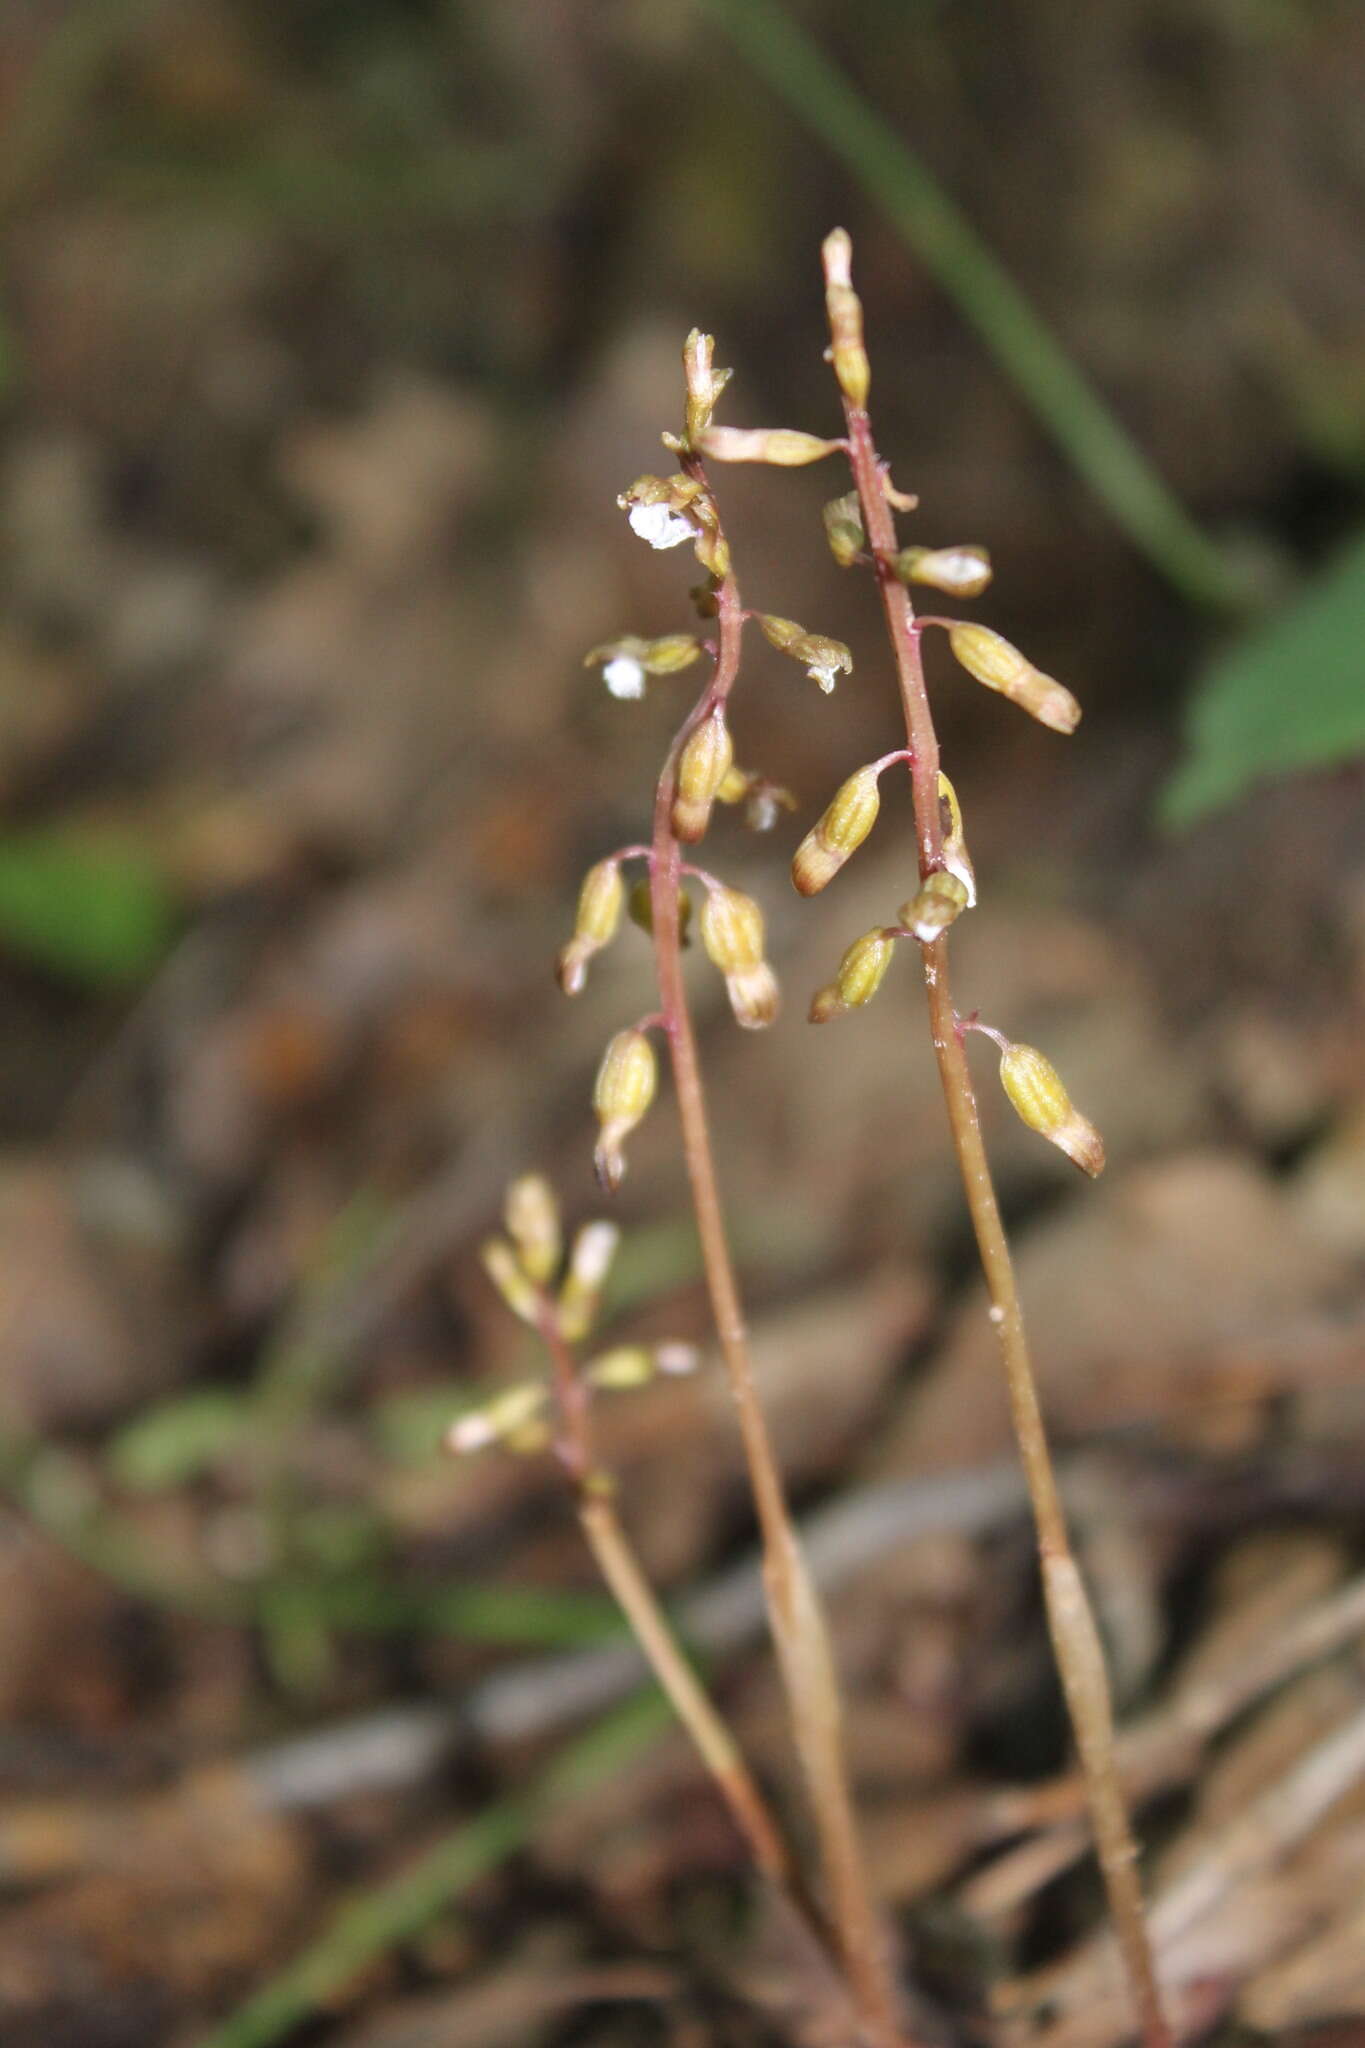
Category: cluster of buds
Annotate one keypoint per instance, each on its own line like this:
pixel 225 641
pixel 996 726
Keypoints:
pixel 823 659
pixel 626 662
pixel 1035 1088
pixel 732 933
pixel 623 1091
pixel 523 1266
pixel 860 975
pixel 1000 666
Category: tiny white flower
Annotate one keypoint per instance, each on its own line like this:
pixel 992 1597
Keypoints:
pixel 472 1432
pixel 660 525
pixel 827 668
pixel 677 1358
pixel 624 676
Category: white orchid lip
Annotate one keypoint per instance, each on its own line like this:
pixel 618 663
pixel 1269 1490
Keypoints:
pixel 826 672
pixel 660 525
pixel 624 676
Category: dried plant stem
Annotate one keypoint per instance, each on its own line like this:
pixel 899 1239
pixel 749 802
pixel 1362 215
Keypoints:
pixel 616 1560
pixel 1075 1640
pixel 799 1633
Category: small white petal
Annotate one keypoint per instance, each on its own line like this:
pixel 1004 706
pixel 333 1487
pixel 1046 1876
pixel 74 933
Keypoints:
pixel 677 1358
pixel 472 1432
pixel 824 675
pixel 624 676
pixel 660 525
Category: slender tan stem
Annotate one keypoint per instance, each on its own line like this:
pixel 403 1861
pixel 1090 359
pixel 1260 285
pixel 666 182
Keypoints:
pixel 799 1633
pixel 633 1593
pixel 1071 1624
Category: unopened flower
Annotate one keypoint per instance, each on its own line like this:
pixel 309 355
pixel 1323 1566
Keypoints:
pixel 503 1419
pixel 998 664
pixel 860 975
pixel 1035 1088
pixel 590 1259
pixel 511 1279
pixel 843 519
pixel 599 914
pixel 704 382
pixel 847 352
pixel 732 933
pixel 838 832
pixel 963 571
pixel 787 447
pixel 531 1215
pixel 623 1091
pixel 703 764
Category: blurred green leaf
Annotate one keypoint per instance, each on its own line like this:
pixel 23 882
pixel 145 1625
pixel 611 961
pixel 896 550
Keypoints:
pixel 171 1444
pixel 1289 695
pixel 98 915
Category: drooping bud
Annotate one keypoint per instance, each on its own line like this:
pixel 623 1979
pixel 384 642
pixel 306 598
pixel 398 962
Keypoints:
pixel 640 909
pixel 823 659
pixel 623 1091
pixel 787 447
pixel 590 1259
pixel 956 858
pixel 1035 1088
pixel 998 664
pixel 704 382
pixel 599 913
pixel 962 571
pixel 844 307
pixel 843 519
pixel 511 1279
pixel 838 832
pixel 860 975
pixel 502 1419
pixel 732 933
pixel 531 1215
pixel 939 901
pixel 703 764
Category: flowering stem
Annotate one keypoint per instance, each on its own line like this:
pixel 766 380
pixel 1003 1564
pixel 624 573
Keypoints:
pixel 798 1627
pixel 1070 1621
pixel 619 1566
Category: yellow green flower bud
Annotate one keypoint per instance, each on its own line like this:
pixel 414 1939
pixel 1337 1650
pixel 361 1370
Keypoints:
pixel 599 913
pixel 962 571
pixel 590 1259
pixel 705 761
pixel 498 1420
pixel 623 1091
pixel 939 902
pixel 623 1367
pixel 956 858
pixel 531 1215
pixel 1035 1088
pixel 860 975
pixel 998 664
pixel 843 519
pixel 781 633
pixel 844 307
pixel 732 933
pixel 704 382
pixel 787 447
pixel 511 1279
pixel 838 832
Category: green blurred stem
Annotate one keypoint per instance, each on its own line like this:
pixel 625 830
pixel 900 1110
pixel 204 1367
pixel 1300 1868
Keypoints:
pixel 388 1914
pixel 943 239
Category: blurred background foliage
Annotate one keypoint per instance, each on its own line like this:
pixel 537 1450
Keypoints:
pixel 329 331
